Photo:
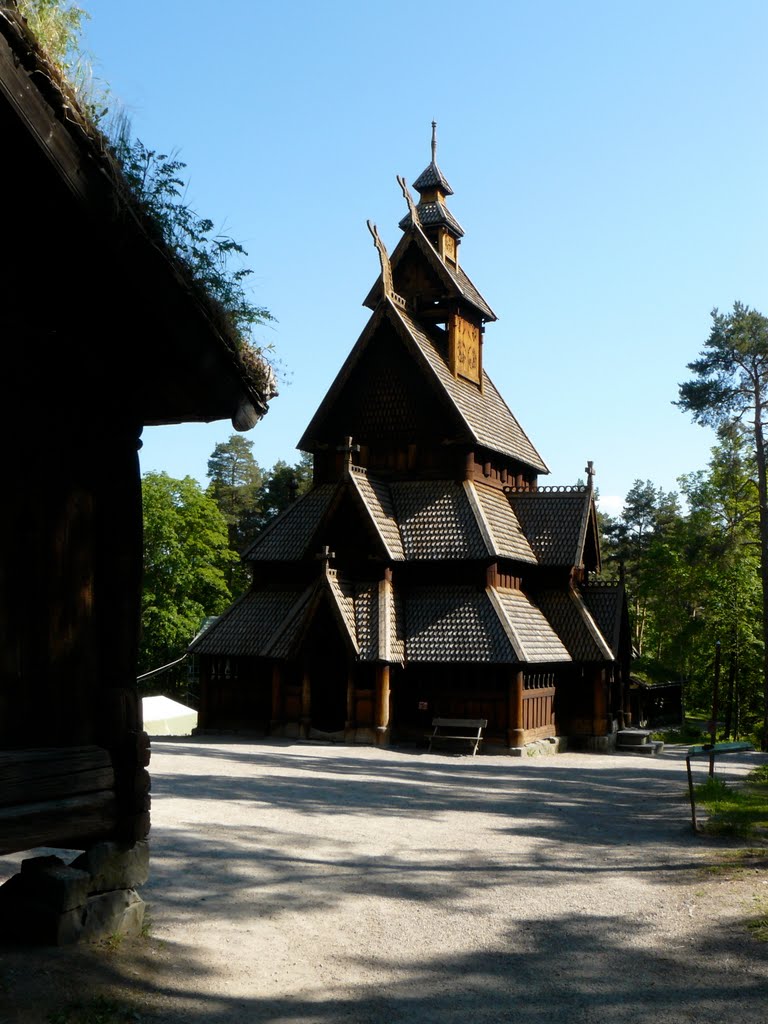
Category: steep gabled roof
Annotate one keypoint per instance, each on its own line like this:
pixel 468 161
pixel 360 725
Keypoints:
pixel 436 520
pixel 498 522
pixel 487 417
pixel 455 281
pixel 273 621
pixel 289 535
pixel 557 521
pixel 250 623
pixel 531 635
pixel 569 616
pixel 455 623
pixel 607 605
pixel 477 415
pixel 377 498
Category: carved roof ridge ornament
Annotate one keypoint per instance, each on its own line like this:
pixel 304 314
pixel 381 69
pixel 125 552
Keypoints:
pixel 415 219
pixel 386 268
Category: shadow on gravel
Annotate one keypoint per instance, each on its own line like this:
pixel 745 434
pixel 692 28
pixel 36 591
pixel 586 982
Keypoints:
pixel 575 826
pixel 239 866
pixel 559 970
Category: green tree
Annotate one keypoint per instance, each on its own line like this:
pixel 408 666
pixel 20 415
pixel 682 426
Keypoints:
pixel 725 564
pixel 283 484
pixel 186 559
pixel 638 541
pixel 731 386
pixel 236 483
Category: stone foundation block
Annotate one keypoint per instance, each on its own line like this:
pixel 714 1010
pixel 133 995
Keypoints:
pixel 113 913
pixel 115 866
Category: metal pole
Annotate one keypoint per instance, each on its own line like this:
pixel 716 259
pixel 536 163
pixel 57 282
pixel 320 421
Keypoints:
pixel 715 690
pixel 690 792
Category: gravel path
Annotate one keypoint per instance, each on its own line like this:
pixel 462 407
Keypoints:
pixel 312 884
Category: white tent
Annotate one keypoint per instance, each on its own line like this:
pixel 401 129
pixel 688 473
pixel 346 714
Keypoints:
pixel 166 717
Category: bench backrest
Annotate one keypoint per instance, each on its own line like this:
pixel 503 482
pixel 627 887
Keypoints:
pixel 461 723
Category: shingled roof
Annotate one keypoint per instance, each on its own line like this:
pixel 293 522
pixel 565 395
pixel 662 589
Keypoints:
pixel 531 635
pixel 488 418
pixel 498 522
pixel 478 415
pixel 570 618
pixel 607 605
pixel 556 520
pixel 454 623
pixel 377 498
pixel 272 621
pixel 454 279
pixel 432 177
pixel 434 212
pixel 248 625
pixel 288 536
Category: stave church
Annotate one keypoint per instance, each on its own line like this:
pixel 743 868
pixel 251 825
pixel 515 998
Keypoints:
pixel 427 572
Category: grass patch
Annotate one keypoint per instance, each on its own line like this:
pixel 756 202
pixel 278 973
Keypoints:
pixel 736 810
pixel 96 1011
pixel 737 863
pixel 686 733
pixel 758 925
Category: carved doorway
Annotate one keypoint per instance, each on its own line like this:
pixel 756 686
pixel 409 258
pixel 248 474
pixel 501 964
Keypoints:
pixel 327 665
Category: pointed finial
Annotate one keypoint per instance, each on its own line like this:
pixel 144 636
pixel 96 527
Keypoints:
pixel 434 141
pixel 589 469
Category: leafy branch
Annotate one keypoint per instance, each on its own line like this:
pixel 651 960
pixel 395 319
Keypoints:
pixel 155 181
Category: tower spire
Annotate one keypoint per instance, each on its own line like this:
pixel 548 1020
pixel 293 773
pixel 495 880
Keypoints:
pixel 434 142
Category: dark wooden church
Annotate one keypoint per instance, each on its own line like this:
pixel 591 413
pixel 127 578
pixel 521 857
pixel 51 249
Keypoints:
pixel 427 573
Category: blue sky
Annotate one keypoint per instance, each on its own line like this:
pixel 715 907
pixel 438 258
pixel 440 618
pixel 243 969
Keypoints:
pixel 609 168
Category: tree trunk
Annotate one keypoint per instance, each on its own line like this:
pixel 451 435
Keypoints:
pixel 763 492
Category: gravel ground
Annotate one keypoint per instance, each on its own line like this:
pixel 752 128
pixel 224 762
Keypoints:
pixel 306 883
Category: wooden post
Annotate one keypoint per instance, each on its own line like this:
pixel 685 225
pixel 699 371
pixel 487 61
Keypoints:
pixel 515 731
pixel 626 699
pixel 599 703
pixel 382 704
pixel 306 703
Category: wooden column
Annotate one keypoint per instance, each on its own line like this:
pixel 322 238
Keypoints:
pixel 382 704
pixel 118 561
pixel 306 704
pixel 599 703
pixel 626 700
pixel 276 718
pixel 515 731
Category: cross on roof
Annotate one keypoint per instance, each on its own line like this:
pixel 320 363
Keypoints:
pixel 325 555
pixel 349 450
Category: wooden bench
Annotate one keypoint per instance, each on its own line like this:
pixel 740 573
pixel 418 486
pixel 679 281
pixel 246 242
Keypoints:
pixel 472 731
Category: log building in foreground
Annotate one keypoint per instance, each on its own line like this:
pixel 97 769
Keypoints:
pixel 426 573
pixel 104 332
